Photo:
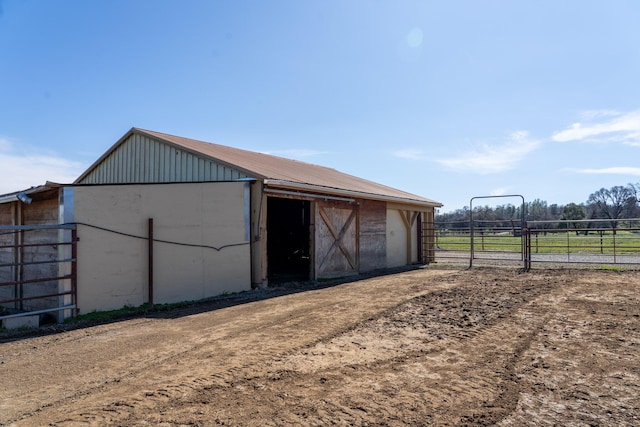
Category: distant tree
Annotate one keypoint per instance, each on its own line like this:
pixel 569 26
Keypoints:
pixel 633 208
pixel 537 211
pixel 573 213
pixel 611 203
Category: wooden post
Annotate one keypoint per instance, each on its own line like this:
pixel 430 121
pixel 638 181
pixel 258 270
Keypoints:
pixel 150 266
pixel 74 267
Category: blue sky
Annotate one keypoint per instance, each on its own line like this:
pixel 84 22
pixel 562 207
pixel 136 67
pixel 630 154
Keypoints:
pixel 445 99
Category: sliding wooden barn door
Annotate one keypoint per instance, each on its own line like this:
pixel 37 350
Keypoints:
pixel 336 239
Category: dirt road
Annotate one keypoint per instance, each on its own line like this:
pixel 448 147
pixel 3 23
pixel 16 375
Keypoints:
pixel 424 347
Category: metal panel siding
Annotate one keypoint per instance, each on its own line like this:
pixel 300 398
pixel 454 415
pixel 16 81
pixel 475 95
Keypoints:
pixel 140 159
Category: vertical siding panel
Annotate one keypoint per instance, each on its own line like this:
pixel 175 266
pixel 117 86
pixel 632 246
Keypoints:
pixel 128 155
pixel 170 163
pixel 117 166
pixel 159 162
pixel 191 165
pixel 144 159
pixel 151 162
pixel 166 177
pixel 183 166
pixel 138 162
pixel 141 159
pixel 120 166
pixel 148 161
pixel 156 161
pixel 130 160
pixel 118 163
pixel 174 165
pixel 125 164
pixel 109 168
pixel 207 171
pixel 133 160
pixel 162 171
pixel 106 169
pixel 123 167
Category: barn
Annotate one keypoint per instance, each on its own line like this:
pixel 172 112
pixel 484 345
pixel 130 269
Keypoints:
pixel 161 218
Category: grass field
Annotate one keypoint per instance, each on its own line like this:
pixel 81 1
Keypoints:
pixel 564 242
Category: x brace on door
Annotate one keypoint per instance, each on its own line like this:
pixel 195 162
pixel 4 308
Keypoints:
pixel 338 237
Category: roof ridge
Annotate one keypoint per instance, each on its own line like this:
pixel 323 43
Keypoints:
pixel 245 150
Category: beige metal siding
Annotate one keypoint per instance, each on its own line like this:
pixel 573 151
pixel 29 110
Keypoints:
pixel 113 268
pixel 145 160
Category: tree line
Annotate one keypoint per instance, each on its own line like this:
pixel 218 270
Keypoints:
pixel 615 203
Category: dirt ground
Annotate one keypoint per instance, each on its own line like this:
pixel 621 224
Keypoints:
pixel 431 346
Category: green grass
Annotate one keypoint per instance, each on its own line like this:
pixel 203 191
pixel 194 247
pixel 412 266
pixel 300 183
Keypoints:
pixel 124 312
pixel 625 243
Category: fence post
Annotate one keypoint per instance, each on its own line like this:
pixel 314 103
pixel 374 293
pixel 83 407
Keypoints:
pixel 74 269
pixel 150 258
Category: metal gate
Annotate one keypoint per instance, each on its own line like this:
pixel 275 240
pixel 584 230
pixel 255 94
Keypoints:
pixel 483 241
pixel 38 270
pixel 593 241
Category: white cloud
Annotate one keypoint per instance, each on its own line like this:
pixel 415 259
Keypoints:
pixel 493 159
pixel 20 170
pixel 616 170
pixel 604 126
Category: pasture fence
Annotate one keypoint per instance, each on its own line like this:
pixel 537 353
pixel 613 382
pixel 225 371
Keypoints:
pixel 491 242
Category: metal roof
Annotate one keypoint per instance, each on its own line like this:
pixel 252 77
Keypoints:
pixel 279 172
pixel 14 196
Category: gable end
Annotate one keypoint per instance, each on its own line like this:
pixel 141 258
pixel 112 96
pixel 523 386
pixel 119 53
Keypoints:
pixel 140 159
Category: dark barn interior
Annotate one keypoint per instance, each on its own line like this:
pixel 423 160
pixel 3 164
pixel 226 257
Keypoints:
pixel 288 239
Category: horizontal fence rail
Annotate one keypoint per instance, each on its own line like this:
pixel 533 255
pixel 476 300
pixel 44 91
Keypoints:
pixel 459 242
pixel 38 269
pixel 603 242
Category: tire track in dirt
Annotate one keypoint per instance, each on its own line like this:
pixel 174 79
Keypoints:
pixel 313 383
pixel 176 372
pixel 584 367
pixel 480 347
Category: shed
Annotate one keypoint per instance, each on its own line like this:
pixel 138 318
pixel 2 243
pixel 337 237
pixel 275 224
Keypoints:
pixel 307 221
pixel 226 219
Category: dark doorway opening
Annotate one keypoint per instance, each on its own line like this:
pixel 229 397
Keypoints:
pixel 288 240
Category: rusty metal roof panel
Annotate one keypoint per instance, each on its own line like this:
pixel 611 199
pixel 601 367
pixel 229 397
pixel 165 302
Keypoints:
pixel 276 169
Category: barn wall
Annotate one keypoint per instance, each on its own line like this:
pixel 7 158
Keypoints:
pixel 373 237
pixel 396 239
pixel 403 247
pixel 258 235
pixel 7 254
pixel 112 271
pixel 141 159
